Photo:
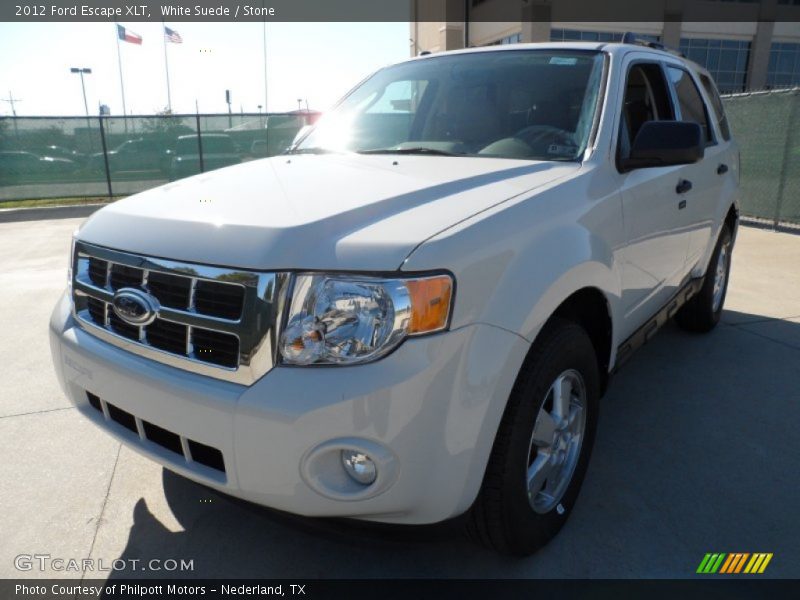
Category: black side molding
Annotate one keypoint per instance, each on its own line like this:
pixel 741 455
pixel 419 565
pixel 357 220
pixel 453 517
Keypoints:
pixel 646 332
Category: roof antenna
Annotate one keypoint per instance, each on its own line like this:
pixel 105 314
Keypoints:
pixel 629 38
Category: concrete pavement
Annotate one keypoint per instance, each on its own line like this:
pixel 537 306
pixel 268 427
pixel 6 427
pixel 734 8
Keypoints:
pixel 697 451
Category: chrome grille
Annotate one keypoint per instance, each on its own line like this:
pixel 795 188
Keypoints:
pixel 211 320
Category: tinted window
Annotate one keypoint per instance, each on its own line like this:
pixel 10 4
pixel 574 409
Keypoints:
pixel 689 100
pixel 218 143
pixel 187 145
pixel 19 159
pixel 719 109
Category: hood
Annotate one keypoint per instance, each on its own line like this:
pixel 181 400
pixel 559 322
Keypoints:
pixel 336 211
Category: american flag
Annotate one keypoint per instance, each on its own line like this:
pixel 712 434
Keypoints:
pixel 172 36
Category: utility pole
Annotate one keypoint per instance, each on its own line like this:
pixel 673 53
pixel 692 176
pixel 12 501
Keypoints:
pixel 11 100
pixel 228 101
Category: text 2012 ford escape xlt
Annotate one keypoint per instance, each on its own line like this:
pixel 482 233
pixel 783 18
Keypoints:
pixel 413 313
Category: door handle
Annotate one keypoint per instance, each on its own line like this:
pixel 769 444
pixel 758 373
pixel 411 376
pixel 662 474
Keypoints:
pixel 684 185
pixel 722 169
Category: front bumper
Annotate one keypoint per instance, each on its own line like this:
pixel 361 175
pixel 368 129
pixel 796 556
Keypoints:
pixel 428 413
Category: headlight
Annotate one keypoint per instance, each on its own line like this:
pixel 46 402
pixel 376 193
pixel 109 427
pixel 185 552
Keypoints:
pixel 347 319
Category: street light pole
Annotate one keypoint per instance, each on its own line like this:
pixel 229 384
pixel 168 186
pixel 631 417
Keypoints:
pixel 80 71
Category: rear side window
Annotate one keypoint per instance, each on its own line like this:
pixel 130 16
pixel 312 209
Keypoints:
pixel 689 100
pixel 716 102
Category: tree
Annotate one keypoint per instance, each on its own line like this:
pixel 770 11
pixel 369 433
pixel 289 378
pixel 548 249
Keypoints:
pixel 165 126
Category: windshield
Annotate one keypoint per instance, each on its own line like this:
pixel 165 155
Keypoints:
pixel 530 104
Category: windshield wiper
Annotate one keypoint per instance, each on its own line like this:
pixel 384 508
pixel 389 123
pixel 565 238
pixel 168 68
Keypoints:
pixel 414 150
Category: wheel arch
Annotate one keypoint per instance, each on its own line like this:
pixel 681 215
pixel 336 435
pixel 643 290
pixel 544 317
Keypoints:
pixel 732 219
pixel 589 308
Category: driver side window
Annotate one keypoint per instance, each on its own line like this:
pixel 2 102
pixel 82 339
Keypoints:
pixel 646 98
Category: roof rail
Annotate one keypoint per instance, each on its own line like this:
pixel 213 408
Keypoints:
pixel 630 38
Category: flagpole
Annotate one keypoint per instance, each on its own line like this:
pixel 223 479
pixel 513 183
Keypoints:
pixel 166 65
pixel 264 41
pixel 121 81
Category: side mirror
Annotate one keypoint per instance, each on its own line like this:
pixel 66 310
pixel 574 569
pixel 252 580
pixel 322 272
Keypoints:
pixel 665 143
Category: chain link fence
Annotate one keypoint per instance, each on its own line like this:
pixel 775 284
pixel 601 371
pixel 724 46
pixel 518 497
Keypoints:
pixel 79 157
pixel 767 126
pixel 62 157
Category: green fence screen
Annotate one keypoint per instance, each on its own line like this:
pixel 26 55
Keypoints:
pixel 59 157
pixel 767 127
pixel 69 157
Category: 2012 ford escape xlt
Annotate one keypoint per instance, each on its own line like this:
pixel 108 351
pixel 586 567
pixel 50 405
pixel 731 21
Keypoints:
pixel 414 312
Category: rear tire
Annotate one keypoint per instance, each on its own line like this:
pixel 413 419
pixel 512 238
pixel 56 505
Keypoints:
pixel 543 444
pixel 703 311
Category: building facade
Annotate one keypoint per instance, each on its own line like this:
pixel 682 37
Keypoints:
pixel 745 44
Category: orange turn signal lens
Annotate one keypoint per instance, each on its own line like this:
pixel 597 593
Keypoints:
pixel 430 303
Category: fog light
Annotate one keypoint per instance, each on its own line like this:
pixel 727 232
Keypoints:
pixel 359 466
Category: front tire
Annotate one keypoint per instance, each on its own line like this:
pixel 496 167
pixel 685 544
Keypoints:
pixel 543 445
pixel 703 311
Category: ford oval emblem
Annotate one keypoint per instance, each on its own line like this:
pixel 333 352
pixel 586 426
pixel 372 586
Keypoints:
pixel 135 307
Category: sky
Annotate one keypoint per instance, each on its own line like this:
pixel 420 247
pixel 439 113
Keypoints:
pixel 319 62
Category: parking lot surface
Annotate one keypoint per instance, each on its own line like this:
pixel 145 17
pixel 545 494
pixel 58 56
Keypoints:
pixel 697 451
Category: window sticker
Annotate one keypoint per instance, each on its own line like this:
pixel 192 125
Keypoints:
pixel 563 60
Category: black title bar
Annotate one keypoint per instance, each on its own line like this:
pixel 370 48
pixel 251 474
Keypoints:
pixel 398 10
pixel 711 587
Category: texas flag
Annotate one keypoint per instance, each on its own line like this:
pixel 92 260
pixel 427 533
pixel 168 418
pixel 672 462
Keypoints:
pixel 128 36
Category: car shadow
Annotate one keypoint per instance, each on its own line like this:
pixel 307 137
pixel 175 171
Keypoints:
pixel 696 446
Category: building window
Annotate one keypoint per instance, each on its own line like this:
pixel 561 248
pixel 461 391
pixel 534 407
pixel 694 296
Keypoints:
pixel 784 65
pixel 514 38
pixel 575 35
pixel 726 60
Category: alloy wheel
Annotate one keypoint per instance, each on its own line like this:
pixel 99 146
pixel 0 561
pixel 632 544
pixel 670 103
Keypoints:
pixel 555 445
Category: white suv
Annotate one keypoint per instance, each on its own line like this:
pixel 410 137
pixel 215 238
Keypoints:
pixel 413 313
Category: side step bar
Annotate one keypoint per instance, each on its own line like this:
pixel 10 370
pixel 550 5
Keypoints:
pixel 645 333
